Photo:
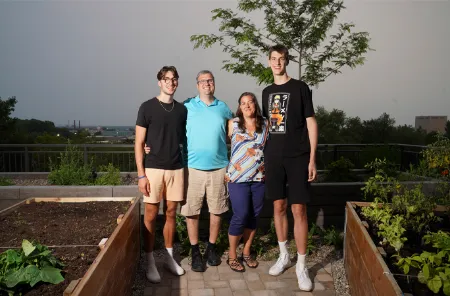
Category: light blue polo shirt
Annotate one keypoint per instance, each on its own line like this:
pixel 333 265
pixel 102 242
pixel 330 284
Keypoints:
pixel 206 134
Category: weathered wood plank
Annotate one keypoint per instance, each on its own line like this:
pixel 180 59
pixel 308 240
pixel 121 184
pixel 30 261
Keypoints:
pixel 106 270
pixel 69 289
pixel 12 208
pixel 378 273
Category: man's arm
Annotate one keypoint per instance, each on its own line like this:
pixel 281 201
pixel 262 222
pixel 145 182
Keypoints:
pixel 313 134
pixel 143 183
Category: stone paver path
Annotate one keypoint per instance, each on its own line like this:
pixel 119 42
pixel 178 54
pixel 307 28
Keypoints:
pixel 222 281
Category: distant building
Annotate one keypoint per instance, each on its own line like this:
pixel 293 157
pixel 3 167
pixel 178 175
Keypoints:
pixel 431 123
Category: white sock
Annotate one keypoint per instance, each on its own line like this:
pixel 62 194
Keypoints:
pixel 283 248
pixel 172 264
pixel 152 272
pixel 301 261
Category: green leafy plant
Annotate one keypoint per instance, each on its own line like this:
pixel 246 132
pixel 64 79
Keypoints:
pixel 314 234
pixel 415 207
pixel 5 181
pixel 377 212
pixel 380 186
pixel 71 169
pixel 438 156
pixel 391 230
pixel 333 237
pixel 182 235
pixel 340 170
pixel 24 268
pixel 390 169
pixel 434 266
pixel 110 175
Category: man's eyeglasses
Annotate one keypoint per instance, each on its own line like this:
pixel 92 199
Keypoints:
pixel 205 81
pixel 167 80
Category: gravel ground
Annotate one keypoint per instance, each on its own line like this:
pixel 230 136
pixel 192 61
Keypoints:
pixel 27 181
pixel 339 276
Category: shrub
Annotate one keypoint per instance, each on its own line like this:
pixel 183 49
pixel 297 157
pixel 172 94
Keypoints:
pixel 110 175
pixel 71 170
pixel 340 170
pixel 5 182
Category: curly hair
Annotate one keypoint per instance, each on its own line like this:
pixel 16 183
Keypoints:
pixel 259 122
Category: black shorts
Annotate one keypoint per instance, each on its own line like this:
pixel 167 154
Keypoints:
pixel 287 177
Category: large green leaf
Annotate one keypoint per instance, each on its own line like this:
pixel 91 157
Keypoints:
pixel 12 256
pixel 446 288
pixel 435 284
pixel 51 275
pixel 27 247
pixel 23 275
pixel 426 271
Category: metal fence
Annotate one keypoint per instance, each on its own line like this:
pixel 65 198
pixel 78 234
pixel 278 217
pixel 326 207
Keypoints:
pixel 38 157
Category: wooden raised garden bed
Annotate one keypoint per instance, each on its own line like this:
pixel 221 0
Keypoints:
pixel 98 239
pixel 367 273
pixel 366 264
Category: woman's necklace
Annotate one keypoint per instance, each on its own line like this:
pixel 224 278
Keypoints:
pixel 173 105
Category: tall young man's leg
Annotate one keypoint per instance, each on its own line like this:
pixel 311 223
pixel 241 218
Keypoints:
pixel 300 195
pixel 281 228
pixel 169 233
pixel 301 240
pixel 150 214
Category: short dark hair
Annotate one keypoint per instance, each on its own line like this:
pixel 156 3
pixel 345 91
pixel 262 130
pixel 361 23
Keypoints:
pixel 166 69
pixel 280 49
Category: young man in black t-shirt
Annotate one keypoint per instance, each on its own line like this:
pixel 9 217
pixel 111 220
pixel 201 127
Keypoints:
pixel 290 155
pixel 161 125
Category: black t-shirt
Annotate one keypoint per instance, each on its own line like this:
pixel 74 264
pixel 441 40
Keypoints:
pixel 286 107
pixel 166 132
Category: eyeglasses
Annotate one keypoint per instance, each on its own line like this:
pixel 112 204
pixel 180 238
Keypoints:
pixel 167 80
pixel 205 81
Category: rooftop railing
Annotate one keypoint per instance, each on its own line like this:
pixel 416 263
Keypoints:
pixel 38 157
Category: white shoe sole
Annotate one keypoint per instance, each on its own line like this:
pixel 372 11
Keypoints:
pixel 173 271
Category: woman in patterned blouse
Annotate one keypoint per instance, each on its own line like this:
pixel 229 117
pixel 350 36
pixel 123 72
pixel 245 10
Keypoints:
pixel 245 176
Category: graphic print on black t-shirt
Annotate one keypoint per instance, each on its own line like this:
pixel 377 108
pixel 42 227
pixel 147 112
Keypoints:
pixel 278 104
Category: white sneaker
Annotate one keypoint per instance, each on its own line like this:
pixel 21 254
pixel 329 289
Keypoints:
pixel 304 282
pixel 173 266
pixel 282 263
pixel 153 274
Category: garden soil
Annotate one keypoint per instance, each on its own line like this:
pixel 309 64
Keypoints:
pixel 62 224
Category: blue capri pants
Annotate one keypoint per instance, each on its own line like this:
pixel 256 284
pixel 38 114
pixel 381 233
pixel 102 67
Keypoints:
pixel 247 200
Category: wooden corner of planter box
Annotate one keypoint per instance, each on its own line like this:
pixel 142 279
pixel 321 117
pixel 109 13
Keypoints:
pixel 71 287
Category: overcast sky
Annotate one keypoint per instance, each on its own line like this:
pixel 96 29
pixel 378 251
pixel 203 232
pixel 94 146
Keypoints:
pixel 97 61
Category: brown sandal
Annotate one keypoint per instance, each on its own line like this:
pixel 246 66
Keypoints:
pixel 235 265
pixel 252 263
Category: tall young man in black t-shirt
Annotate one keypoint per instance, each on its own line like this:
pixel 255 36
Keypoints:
pixel 290 155
pixel 161 125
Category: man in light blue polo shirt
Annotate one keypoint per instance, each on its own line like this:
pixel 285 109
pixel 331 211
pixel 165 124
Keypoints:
pixel 207 162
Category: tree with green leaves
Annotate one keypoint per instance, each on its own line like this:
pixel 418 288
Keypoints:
pixel 6 122
pixel 305 27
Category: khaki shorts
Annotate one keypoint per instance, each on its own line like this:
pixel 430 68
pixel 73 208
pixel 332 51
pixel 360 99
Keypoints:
pixel 167 184
pixel 210 182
